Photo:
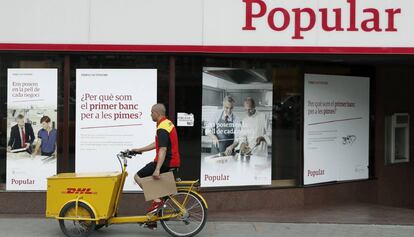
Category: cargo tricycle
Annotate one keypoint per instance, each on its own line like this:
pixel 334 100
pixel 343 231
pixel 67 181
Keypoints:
pixel 86 202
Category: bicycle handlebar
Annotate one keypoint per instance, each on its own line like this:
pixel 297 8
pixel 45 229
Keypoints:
pixel 129 153
pixel 126 154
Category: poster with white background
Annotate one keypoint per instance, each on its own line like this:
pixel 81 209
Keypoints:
pixel 236 141
pixel 31 95
pixel 113 113
pixel 336 128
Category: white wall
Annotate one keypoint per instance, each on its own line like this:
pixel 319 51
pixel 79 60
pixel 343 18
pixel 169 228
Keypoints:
pixel 191 22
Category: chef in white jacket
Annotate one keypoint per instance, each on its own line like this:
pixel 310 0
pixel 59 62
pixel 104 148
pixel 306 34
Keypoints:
pixel 253 134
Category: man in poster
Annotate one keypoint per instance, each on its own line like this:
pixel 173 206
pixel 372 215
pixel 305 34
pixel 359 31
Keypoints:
pixel 222 131
pixel 253 138
pixel 21 135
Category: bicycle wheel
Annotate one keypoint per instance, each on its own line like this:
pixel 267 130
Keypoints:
pixel 189 223
pixel 77 228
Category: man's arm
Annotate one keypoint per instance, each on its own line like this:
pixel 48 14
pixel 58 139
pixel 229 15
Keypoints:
pixel 210 132
pixel 214 140
pixel 30 133
pixel 38 143
pixel 211 129
pixel 237 128
pixel 11 140
pixel 162 152
pixel 229 149
pixel 265 137
pixel 55 152
pixel 163 141
pixel 145 148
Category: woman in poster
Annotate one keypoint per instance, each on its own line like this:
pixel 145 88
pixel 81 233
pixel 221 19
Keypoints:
pixel 46 138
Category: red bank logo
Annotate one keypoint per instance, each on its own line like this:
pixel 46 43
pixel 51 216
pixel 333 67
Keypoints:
pixel 79 191
pixel 306 19
pixel 315 173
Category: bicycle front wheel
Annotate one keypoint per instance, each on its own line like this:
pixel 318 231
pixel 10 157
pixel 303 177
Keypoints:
pixel 77 228
pixel 188 223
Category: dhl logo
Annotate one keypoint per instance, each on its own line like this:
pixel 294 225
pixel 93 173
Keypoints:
pixel 78 191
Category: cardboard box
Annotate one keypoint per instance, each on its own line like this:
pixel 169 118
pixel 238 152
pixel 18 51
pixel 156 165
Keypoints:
pixel 157 188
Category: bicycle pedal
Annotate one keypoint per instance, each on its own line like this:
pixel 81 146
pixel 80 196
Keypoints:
pixel 151 226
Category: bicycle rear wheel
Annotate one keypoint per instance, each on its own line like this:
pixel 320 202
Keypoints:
pixel 186 224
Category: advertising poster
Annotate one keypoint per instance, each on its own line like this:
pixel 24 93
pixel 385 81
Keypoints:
pixel 113 113
pixel 236 127
pixel 32 128
pixel 336 130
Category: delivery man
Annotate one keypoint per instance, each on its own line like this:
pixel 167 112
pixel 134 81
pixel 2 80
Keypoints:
pixel 167 153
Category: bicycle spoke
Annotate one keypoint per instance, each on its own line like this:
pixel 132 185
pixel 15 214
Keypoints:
pixel 195 205
pixel 171 207
pixel 197 215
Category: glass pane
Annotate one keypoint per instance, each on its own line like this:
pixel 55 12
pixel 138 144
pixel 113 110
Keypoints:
pixel 401 144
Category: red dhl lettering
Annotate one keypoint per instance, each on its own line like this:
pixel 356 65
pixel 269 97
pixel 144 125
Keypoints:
pixel 79 191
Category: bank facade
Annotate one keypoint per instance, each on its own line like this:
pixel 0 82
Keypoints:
pixel 331 81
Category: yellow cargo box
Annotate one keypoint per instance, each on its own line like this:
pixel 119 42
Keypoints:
pixel 99 190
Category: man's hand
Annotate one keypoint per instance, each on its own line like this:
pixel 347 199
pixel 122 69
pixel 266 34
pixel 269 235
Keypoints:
pixel 156 174
pixel 229 150
pixel 137 150
pixel 244 148
pixel 260 139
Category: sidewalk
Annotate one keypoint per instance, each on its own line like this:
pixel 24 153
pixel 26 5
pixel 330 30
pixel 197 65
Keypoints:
pixel 348 220
pixel 352 213
pixel 34 227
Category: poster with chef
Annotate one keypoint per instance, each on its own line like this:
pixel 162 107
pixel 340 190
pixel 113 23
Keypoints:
pixel 31 128
pixel 336 128
pixel 113 113
pixel 236 127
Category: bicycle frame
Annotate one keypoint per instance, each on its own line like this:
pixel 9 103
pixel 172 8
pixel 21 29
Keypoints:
pixel 187 186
